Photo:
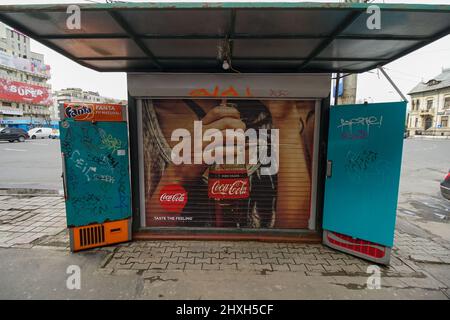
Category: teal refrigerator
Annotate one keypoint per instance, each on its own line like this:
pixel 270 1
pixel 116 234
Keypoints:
pixel 96 182
pixel 365 143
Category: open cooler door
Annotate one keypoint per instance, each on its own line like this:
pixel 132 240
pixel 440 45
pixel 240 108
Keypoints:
pixel 365 144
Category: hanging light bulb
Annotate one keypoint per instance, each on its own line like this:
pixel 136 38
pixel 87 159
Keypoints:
pixel 225 65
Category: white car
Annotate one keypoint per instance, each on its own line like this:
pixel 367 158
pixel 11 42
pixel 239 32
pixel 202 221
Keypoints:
pixel 40 133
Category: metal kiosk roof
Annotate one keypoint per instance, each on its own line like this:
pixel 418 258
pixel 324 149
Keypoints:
pixel 255 37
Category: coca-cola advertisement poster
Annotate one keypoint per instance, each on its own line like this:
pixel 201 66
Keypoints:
pixel 227 163
pixel 24 93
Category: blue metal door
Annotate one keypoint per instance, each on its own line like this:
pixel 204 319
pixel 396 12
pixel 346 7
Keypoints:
pixel 364 156
pixel 95 159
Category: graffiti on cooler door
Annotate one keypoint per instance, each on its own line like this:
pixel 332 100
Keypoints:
pixel 361 125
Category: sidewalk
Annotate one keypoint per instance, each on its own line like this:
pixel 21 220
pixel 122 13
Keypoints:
pixel 27 219
pixel 35 227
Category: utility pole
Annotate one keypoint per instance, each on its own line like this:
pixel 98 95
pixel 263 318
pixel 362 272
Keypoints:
pixel 350 81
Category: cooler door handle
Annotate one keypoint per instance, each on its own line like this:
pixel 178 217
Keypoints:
pixel 329 168
pixel 66 196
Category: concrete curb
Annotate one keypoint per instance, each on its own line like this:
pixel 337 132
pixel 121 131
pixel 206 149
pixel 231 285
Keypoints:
pixel 30 192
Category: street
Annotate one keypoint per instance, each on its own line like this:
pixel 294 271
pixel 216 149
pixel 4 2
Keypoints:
pixel 424 165
pixel 33 236
pixel 33 164
pixel 36 164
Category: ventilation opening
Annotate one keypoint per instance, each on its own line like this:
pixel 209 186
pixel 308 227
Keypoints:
pixel 92 235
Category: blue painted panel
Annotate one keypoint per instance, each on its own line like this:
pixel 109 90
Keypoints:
pixel 97 176
pixel 365 146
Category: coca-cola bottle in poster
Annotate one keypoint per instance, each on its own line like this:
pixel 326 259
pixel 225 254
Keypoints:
pixel 228 186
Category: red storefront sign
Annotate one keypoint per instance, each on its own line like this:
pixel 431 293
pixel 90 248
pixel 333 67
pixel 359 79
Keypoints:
pixel 24 93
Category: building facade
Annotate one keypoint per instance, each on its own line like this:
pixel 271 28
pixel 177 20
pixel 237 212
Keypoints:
pixel 25 94
pixel 429 111
pixel 76 95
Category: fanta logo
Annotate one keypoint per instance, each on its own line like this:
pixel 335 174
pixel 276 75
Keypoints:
pixel 78 111
pixel 173 198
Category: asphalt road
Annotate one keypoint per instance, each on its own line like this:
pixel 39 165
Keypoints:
pixel 424 165
pixel 32 164
pixel 37 164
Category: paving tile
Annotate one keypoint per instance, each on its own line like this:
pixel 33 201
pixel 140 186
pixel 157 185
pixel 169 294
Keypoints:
pixel 208 266
pixel 190 266
pixel 186 260
pixel 280 267
pixel 227 255
pixel 124 266
pixel 175 266
pixel 297 267
pixel 195 254
pixel 203 260
pixel 179 255
pixel 158 266
pixel 169 260
pixel 285 261
pixel 232 266
pixel 315 267
pixel 140 266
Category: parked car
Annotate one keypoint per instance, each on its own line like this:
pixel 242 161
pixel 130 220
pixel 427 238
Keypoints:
pixel 445 186
pixel 54 134
pixel 13 134
pixel 40 133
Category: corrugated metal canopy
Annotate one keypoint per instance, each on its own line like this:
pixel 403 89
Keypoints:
pixel 258 37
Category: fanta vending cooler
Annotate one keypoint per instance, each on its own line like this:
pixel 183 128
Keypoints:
pixel 94 150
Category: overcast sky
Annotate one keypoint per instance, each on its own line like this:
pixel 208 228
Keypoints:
pixel 406 72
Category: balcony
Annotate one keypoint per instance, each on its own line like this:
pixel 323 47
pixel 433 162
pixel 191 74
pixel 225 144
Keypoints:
pixel 427 112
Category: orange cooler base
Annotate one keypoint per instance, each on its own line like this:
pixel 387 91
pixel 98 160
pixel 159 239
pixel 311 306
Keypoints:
pixel 99 235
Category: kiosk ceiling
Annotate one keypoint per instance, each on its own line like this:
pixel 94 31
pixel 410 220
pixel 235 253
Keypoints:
pixel 254 37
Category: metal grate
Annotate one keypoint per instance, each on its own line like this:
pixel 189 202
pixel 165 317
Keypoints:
pixel 92 235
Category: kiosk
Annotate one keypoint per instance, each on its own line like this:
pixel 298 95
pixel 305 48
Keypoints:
pixel 309 171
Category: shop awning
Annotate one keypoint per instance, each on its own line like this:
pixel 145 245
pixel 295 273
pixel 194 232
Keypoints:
pixel 256 37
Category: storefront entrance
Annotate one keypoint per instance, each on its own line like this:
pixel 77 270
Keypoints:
pixel 223 152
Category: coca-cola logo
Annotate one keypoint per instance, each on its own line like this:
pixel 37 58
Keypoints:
pixel 173 198
pixel 228 188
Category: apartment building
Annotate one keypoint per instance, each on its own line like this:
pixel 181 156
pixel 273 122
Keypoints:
pixel 25 94
pixel 430 107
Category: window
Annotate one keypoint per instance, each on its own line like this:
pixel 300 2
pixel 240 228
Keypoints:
pixel 447 103
pixel 417 104
pixel 444 122
pixel 416 124
pixel 429 104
